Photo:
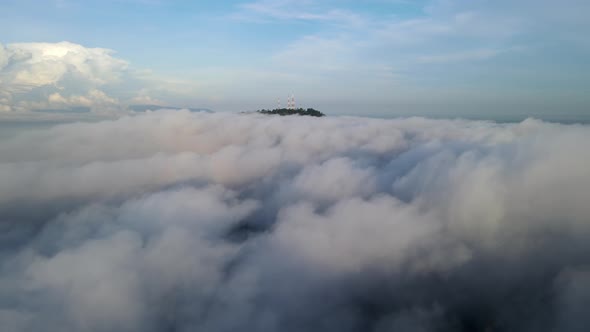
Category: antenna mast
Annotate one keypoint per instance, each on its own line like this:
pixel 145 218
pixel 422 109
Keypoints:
pixel 291 101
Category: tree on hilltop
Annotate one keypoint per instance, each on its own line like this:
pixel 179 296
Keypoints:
pixel 292 111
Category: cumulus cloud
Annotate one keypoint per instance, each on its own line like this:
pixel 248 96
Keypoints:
pixel 36 75
pixel 68 77
pixel 179 221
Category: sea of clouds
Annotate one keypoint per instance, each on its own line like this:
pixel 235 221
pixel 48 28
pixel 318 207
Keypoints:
pixel 179 221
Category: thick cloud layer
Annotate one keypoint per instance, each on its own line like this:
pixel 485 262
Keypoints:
pixel 176 221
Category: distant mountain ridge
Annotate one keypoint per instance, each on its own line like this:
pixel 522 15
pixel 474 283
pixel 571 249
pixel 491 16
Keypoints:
pixel 148 107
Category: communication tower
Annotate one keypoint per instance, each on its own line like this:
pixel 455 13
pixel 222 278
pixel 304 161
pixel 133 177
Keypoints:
pixel 291 101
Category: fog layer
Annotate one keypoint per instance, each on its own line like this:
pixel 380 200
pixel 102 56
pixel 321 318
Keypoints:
pixel 179 221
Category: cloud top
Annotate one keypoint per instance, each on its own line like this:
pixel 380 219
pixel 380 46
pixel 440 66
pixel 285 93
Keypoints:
pixel 179 221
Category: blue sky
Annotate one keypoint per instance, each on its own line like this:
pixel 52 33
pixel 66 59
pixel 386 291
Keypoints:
pixel 372 57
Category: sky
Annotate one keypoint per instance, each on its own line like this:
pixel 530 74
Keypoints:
pixel 365 57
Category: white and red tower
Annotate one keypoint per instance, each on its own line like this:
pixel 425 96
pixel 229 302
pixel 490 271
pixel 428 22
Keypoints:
pixel 291 101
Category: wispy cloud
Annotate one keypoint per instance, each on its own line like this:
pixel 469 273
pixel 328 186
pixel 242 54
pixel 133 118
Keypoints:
pixel 268 10
pixel 436 37
pixel 471 55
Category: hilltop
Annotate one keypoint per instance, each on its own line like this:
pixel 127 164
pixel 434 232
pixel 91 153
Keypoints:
pixel 293 111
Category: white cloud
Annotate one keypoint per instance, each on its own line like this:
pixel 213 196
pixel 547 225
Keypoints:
pixel 62 76
pixel 93 99
pixel 334 179
pixel 39 64
pixel 4 57
pixel 190 221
